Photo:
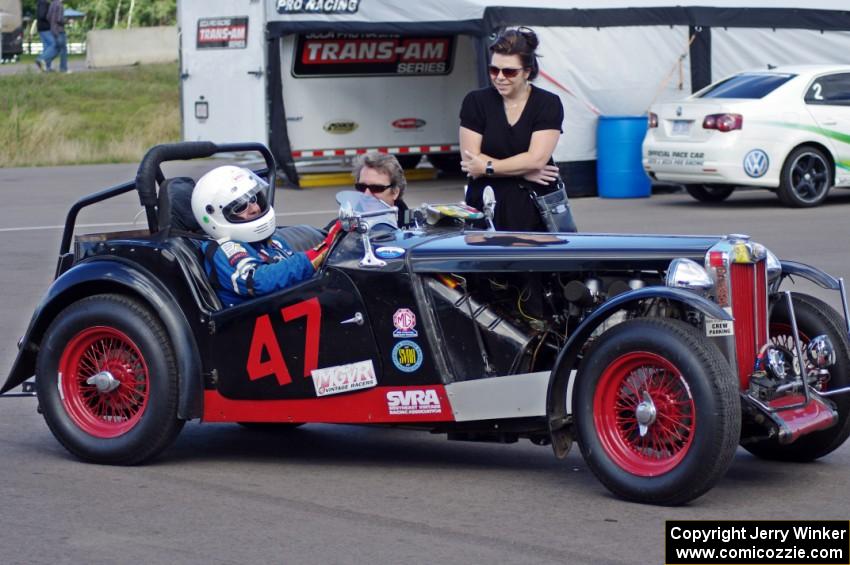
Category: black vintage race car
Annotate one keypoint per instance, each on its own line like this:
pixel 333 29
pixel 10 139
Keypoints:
pixel 659 355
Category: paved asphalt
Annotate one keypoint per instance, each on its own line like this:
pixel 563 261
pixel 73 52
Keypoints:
pixel 342 494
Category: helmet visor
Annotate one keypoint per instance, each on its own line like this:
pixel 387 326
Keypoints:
pixel 250 205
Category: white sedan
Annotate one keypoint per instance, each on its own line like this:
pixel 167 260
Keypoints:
pixel 786 129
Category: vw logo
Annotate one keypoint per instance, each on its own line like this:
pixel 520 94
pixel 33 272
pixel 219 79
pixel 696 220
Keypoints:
pixel 678 111
pixel 756 163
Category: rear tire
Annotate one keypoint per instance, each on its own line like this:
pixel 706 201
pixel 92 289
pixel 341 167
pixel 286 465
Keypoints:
pixel 666 373
pixel 709 192
pixel 814 317
pixel 129 414
pixel 806 178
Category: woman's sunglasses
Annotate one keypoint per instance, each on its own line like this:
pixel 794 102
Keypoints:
pixel 507 72
pixel 373 188
pixel 242 206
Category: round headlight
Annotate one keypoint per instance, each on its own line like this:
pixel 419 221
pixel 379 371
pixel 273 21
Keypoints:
pixel 684 273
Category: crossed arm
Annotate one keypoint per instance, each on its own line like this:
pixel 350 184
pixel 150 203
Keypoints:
pixel 531 164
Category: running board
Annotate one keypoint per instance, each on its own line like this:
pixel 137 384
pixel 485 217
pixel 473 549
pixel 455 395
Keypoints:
pixel 791 417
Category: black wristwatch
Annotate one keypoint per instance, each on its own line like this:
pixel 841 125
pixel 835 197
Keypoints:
pixel 489 170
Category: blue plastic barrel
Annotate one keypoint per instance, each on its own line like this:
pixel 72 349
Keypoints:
pixel 619 170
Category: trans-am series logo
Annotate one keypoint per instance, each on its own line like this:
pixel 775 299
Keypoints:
pixel 359 54
pixel 756 163
pixel 222 33
pixel 317 6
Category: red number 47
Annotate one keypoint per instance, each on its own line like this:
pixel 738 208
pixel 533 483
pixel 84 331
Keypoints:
pixel 264 344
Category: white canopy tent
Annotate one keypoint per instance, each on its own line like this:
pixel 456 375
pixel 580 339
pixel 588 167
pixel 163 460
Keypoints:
pixel 600 56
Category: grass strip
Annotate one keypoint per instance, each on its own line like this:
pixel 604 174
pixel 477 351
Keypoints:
pixel 109 116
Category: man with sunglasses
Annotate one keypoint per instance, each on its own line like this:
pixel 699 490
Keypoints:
pixel 246 258
pixel 381 175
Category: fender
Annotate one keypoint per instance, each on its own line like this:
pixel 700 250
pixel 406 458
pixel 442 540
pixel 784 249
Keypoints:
pixel 115 275
pixel 820 278
pixel 556 396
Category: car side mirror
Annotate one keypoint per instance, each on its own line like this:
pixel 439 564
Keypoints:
pixel 354 221
pixel 489 206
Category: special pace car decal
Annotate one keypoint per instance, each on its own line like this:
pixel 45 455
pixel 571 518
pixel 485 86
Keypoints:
pixel 407 356
pixel 404 321
pixel 344 378
pixel 265 356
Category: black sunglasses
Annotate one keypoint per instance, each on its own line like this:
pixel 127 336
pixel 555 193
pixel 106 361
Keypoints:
pixel 373 188
pixel 242 206
pixel 507 72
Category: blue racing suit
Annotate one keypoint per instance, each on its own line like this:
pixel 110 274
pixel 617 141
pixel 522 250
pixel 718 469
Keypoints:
pixel 248 270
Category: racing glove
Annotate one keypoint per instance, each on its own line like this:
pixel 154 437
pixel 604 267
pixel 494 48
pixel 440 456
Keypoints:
pixel 318 254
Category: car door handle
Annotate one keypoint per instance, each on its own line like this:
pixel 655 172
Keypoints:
pixel 829 123
pixel 357 319
pixel 258 73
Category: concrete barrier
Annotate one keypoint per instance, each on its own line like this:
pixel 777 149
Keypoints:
pixel 122 47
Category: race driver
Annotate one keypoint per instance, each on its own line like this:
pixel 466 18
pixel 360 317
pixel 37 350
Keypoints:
pixel 247 259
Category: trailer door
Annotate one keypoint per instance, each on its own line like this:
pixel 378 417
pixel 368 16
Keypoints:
pixel 223 71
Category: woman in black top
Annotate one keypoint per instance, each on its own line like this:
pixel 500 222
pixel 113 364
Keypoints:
pixel 508 132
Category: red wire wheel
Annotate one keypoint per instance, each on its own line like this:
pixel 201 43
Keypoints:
pixel 642 387
pixel 117 407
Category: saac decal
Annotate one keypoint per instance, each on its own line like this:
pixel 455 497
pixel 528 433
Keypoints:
pixel 389 252
pixel 407 356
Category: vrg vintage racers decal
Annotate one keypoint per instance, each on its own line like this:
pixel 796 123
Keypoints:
pixel 344 378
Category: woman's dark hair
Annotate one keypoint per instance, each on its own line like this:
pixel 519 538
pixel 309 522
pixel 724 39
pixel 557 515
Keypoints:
pixel 521 41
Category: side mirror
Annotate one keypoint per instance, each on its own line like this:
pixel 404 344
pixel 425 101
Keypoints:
pixel 489 206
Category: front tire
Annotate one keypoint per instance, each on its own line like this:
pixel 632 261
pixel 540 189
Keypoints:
pixel 665 376
pixel 814 317
pixel 806 178
pixel 710 192
pixel 106 380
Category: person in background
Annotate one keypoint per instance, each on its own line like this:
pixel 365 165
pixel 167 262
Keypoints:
pixel 508 132
pixel 48 45
pixel 247 258
pixel 381 175
pixel 56 18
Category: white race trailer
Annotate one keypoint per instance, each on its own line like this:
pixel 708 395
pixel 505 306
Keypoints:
pixel 320 81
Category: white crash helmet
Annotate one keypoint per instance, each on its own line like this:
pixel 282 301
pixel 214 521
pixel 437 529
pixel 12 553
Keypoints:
pixel 225 191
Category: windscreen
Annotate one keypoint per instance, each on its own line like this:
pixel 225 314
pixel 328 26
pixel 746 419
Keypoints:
pixel 746 85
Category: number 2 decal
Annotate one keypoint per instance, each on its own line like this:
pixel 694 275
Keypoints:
pixel 817 88
pixel 265 357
